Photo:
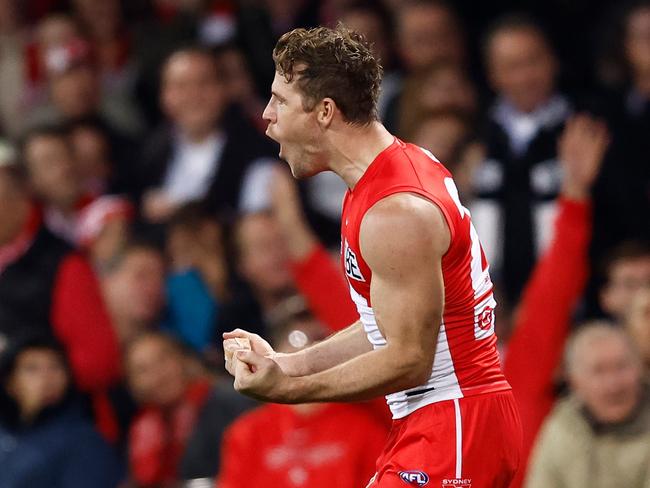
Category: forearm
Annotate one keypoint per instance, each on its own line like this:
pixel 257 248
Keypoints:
pixel 370 375
pixel 336 349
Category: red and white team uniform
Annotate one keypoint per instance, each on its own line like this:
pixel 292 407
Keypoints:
pixel 461 427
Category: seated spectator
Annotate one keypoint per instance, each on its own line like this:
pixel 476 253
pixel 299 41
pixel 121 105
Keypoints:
pixel 46 438
pixel 202 152
pixel 134 290
pixel 63 297
pixel 316 445
pixel 442 133
pixel 199 281
pixel 104 165
pixel 626 272
pixel 53 176
pixel 182 417
pixel 516 185
pixel 75 92
pixel 600 435
pixel 441 87
pixel 428 33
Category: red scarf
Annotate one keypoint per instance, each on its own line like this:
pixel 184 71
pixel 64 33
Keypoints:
pixel 158 437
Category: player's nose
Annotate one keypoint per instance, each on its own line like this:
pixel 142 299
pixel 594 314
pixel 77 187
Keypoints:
pixel 268 114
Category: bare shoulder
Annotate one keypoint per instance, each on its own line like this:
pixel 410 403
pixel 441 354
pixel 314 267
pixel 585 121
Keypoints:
pixel 403 227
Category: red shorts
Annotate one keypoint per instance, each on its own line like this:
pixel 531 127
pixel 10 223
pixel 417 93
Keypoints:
pixel 472 442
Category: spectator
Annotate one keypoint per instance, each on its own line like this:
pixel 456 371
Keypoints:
pixel 47 439
pixel 319 279
pixel 75 92
pixel 199 282
pixel 134 290
pixel 202 153
pixel 442 133
pixel 428 32
pixel 54 178
pixel 555 286
pixel 316 445
pixel 104 164
pixel 600 435
pixel 178 431
pixel 103 24
pixel 63 298
pixel 441 87
pixel 239 84
pixel 12 63
pixel 517 184
pixel 623 189
pixel 627 272
pixel 263 263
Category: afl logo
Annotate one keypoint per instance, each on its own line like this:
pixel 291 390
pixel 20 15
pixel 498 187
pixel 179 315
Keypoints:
pixel 415 478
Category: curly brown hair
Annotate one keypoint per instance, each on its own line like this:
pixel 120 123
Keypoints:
pixel 335 63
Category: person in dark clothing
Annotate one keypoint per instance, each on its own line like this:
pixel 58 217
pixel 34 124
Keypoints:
pixel 183 413
pixel 516 185
pixel 44 282
pixel 46 438
pixel 205 151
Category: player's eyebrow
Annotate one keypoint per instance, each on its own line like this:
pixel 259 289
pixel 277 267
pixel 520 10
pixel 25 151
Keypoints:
pixel 278 96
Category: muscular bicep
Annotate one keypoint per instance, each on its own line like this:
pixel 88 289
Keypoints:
pixel 403 238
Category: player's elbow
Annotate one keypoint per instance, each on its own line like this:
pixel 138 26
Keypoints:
pixel 414 366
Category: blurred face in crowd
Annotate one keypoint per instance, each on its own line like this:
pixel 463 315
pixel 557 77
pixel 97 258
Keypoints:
pixel 156 371
pixel 263 256
pixel 441 134
pixel 447 87
pixel 637 41
pixel 428 34
pixel 238 82
pixel 76 92
pixel 369 24
pixel 92 155
pixel 627 277
pixel 134 290
pixel 14 206
pixel 101 18
pixel 193 96
pixel 55 30
pixel 605 374
pixel 521 67
pixel 39 380
pixel 52 170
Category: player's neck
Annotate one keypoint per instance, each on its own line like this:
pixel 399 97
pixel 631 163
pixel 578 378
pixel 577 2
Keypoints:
pixel 354 148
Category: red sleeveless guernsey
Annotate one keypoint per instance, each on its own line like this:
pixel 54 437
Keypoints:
pixel 466 361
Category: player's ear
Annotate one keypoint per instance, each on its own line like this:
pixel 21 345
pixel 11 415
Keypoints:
pixel 326 109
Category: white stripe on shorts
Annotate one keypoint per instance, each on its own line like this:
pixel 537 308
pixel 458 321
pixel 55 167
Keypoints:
pixel 459 441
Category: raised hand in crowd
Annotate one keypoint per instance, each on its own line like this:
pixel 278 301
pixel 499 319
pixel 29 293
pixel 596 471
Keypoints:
pixel 581 149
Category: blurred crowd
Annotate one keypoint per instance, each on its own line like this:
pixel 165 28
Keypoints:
pixel 143 213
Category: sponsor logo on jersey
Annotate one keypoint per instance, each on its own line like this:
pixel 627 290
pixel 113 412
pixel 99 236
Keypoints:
pixel 415 478
pixel 351 264
pixel 457 483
